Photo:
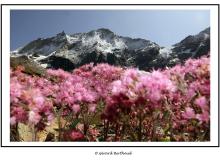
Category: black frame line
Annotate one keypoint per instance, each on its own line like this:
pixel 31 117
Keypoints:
pixel 191 146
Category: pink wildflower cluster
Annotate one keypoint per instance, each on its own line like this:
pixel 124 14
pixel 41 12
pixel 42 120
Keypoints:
pixel 115 104
pixel 138 89
pixel 29 98
pixel 84 86
pixel 191 101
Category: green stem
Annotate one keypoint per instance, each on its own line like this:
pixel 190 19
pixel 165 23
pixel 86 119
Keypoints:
pixel 116 132
pixel 106 128
pixel 14 133
pixel 140 127
pixel 59 123
pixel 17 133
pixel 34 134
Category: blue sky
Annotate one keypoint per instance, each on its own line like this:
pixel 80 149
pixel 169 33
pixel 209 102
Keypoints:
pixel 165 27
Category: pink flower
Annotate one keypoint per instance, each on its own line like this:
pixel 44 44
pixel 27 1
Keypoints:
pixel 87 97
pixel 38 100
pixel 189 113
pixel 131 94
pixel 34 117
pixel 190 93
pixel 154 96
pixel 15 90
pixel 50 117
pixel 204 117
pixel 130 74
pixel 13 120
pixel 201 102
pixel 92 108
pixel 78 96
pixel 117 87
pixel 58 73
pixel 157 75
pixel 19 113
pixel 76 108
pixel 76 135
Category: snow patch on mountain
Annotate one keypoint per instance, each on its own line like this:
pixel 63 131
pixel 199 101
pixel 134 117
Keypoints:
pixel 165 52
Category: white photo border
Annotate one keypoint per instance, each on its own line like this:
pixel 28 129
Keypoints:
pixel 5 67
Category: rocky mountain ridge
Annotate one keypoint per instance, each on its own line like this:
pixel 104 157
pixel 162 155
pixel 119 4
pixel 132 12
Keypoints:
pixel 104 46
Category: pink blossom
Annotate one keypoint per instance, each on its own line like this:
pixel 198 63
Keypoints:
pixel 34 117
pixel 38 100
pixel 50 117
pixel 92 108
pixel 189 113
pixel 58 73
pixel 154 96
pixel 76 135
pixel 15 90
pixel 117 87
pixel 78 96
pixel 13 120
pixel 201 102
pixel 190 93
pixel 19 114
pixel 204 117
pixel 76 108
pixel 120 92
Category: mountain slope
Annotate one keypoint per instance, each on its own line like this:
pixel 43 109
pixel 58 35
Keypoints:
pixel 102 45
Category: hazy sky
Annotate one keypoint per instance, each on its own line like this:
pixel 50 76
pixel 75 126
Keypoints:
pixel 165 27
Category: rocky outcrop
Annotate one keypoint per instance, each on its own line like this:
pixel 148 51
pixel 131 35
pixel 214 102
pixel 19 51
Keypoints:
pixel 193 46
pixel 30 66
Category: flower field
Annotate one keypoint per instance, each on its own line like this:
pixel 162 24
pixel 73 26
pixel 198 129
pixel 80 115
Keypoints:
pixel 109 103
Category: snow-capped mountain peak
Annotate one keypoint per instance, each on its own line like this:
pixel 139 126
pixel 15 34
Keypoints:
pixel 103 45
